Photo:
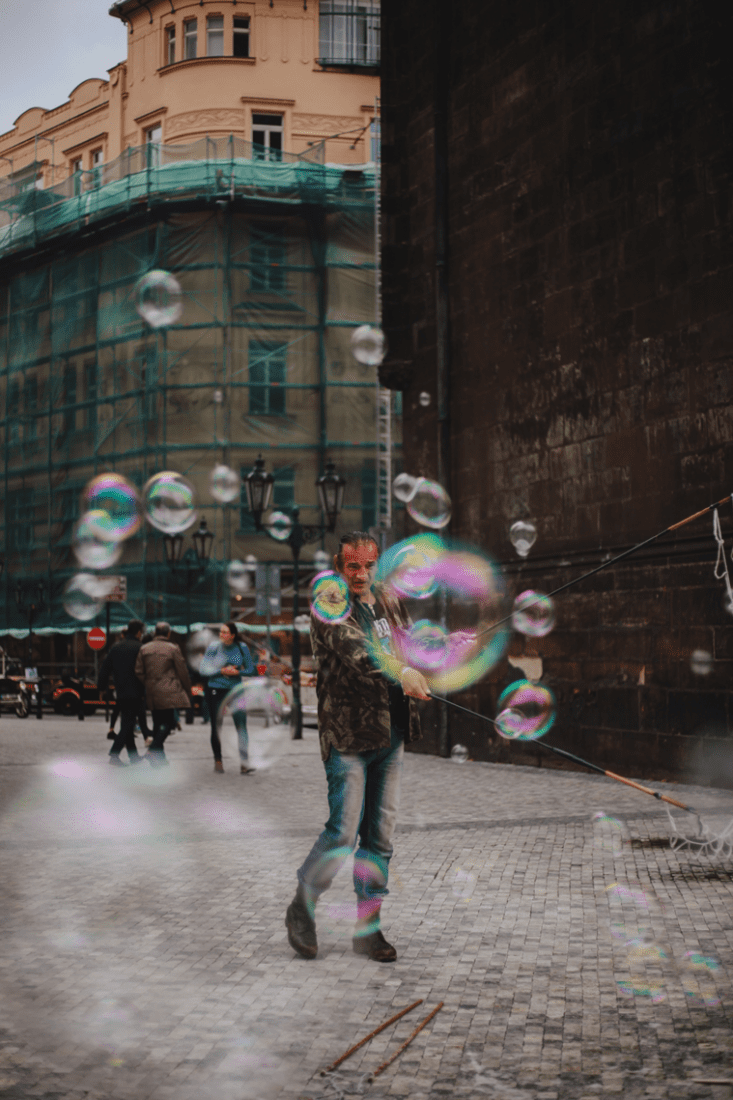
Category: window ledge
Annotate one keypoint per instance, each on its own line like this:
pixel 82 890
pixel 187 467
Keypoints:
pixel 191 61
pixel 326 65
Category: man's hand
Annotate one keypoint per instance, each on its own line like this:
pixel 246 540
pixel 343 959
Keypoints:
pixel 229 670
pixel 414 684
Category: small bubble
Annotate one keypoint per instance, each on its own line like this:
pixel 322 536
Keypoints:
pixel 239 576
pixel 330 598
pixel 459 754
pixel 158 299
pixel 112 504
pixel 701 662
pixel 430 505
pixel 368 345
pixel 224 484
pixel 404 487
pixel 523 537
pixel 91 549
pixel 533 614
pixel 526 711
pixel 85 595
pixel 424 399
pixel 218 397
pixel 321 560
pixel 279 526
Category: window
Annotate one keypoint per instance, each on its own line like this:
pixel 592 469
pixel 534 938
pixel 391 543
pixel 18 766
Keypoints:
pixel 76 166
pixel 91 392
pixel 30 404
pixel 368 496
pixel 170 45
pixel 189 39
pixel 97 162
pixel 283 489
pixel 267 367
pixel 68 421
pixel 153 139
pixel 349 32
pixel 267 137
pixel 76 175
pixel 241 36
pixel 215 36
pixel 267 258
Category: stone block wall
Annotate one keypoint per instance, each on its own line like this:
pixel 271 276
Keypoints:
pixel 589 351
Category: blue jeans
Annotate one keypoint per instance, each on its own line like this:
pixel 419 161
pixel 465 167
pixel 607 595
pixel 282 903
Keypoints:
pixel 363 799
pixel 214 698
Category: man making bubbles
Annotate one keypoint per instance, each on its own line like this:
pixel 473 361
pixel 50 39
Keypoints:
pixel 364 720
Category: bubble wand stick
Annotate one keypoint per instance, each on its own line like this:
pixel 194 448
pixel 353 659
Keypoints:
pixel 611 561
pixel 579 760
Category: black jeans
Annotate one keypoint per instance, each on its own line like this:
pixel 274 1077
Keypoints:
pixel 214 699
pixel 130 709
pixel 163 722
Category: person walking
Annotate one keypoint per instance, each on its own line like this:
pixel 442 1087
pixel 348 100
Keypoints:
pixel 364 720
pixel 223 664
pixel 129 694
pixel 161 668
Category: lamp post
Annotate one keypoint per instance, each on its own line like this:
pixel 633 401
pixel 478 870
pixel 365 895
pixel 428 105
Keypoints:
pixel 194 561
pixel 29 598
pixel 330 486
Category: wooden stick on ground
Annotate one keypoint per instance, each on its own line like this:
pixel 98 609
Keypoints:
pixel 407 1042
pixel 371 1035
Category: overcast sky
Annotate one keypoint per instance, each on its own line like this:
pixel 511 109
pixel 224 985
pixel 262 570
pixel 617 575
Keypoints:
pixel 47 47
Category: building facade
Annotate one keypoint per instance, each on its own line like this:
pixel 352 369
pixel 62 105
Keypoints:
pixel 556 268
pixel 232 149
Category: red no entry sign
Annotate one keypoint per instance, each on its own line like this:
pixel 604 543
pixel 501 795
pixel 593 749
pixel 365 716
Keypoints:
pixel 96 638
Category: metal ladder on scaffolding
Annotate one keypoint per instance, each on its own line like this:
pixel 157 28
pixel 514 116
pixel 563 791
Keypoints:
pixel 383 395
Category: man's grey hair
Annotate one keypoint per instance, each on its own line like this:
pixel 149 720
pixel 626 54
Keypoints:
pixel 162 630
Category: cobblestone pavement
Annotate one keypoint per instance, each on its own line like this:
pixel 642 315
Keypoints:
pixel 144 953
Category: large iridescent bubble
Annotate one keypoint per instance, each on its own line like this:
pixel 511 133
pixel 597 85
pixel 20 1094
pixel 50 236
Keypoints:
pixel 113 503
pixel 330 598
pixel 453 596
pixel 533 614
pixel 169 501
pixel 258 705
pixel 525 711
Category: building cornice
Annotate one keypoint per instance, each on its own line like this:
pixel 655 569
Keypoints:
pixel 87 141
pixel 151 114
pixel 190 61
pixel 261 100
pixel 59 126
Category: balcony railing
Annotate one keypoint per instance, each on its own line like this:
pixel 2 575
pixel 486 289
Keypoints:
pixel 349 34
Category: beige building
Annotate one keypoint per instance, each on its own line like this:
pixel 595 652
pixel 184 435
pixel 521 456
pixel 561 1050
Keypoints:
pixel 233 150
pixel 285 75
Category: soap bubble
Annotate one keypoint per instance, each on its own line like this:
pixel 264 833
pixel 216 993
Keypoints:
pixel 523 536
pixel 701 662
pixel 169 502
pixel 404 487
pixel 609 834
pixel 459 754
pixel 259 705
pixel 424 399
pixel 644 984
pixel 116 499
pixel 453 597
pixel 239 576
pixel 90 549
pixel 698 979
pixel 197 645
pixel 430 505
pixel 330 597
pixel 279 526
pixel 321 560
pixel 526 711
pixel 533 614
pixel 368 345
pixel 224 484
pixel 158 299
pixel 85 595
pixel 218 396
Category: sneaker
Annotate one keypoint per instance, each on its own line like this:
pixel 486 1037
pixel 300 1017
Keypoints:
pixel 374 947
pixel 218 767
pixel 116 762
pixel 245 769
pixel 301 927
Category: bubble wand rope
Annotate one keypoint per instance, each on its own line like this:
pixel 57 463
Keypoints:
pixel 350 1051
pixel 579 760
pixel 611 561
pixel 406 1043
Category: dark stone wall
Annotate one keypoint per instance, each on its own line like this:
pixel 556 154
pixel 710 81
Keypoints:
pixel 590 342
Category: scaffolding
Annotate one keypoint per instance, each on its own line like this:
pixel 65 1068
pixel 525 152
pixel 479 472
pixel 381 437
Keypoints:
pixel 275 259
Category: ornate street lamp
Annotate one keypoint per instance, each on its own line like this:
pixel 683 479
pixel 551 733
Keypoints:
pixel 331 497
pixel 331 494
pixel 202 540
pixel 194 561
pixel 258 484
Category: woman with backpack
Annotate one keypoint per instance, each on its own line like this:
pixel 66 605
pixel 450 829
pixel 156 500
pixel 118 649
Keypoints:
pixel 223 665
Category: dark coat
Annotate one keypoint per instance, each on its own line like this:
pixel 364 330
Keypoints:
pixel 163 671
pixel 353 691
pixel 120 664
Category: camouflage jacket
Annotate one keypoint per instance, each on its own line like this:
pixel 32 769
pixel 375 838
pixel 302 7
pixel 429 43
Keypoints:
pixel 353 693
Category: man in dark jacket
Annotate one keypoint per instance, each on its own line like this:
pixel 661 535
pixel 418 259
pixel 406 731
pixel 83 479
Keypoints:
pixel 364 719
pixel 161 668
pixel 120 663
